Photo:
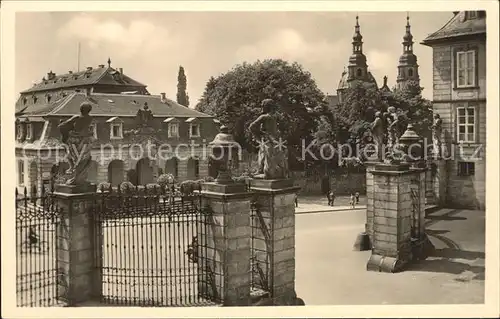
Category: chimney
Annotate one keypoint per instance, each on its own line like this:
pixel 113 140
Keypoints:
pixel 87 92
pixel 163 97
pixel 101 66
pixel 120 70
pixel 89 68
pixel 70 72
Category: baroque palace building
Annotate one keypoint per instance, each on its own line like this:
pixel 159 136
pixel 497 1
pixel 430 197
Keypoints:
pixel 459 97
pixel 358 71
pixel 116 99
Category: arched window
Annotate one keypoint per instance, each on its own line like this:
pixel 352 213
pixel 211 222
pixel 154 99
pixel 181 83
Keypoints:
pixel 359 72
pixel 410 72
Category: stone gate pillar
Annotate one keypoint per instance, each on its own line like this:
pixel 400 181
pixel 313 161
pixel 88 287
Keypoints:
pixel 275 200
pixel 79 242
pixel 391 249
pixel 364 239
pixel 399 217
pixel 225 244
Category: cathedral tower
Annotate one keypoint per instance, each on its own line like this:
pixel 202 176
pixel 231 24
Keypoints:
pixel 357 68
pixel 408 67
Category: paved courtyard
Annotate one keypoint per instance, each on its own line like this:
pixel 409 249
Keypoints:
pixel 329 272
pixel 317 204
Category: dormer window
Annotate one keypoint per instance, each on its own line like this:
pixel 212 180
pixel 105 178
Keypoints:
pixel 469 15
pixel 20 131
pixel 116 128
pixel 93 130
pixel 194 127
pixel 29 131
pixel 173 127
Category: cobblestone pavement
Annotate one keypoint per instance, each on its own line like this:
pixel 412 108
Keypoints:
pixel 329 272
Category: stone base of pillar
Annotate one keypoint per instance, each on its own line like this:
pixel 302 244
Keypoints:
pixel 422 248
pixel 386 264
pixel 363 242
pixel 292 300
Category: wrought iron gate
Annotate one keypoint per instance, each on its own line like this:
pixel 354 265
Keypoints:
pixel 261 248
pixel 415 201
pixel 150 247
pixel 37 220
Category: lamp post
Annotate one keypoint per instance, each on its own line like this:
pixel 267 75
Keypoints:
pixel 222 148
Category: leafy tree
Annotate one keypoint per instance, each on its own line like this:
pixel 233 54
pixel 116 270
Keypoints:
pixel 355 113
pixel 235 97
pixel 415 109
pixel 182 96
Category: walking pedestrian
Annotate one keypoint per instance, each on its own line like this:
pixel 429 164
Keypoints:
pixel 331 198
pixel 357 197
pixel 352 201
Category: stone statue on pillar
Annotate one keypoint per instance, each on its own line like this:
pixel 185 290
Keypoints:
pixel 437 130
pixel 392 127
pixel 77 137
pixel 272 158
pixel 378 130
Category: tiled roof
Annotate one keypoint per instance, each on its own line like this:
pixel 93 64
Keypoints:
pixel 459 26
pixel 100 75
pixel 41 107
pixel 104 104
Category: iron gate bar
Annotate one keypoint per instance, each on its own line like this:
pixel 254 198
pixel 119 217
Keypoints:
pixel 141 227
pixel 36 258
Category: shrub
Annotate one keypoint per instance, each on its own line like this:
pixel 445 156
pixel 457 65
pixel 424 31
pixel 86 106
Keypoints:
pixel 103 187
pixel 151 187
pixel 187 187
pixel 166 179
pixel 209 179
pixel 125 186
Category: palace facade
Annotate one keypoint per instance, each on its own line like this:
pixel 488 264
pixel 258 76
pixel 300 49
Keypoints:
pixel 117 155
pixel 459 97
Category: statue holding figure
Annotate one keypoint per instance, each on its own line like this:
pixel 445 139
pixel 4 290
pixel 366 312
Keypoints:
pixel 272 158
pixel 378 130
pixel 76 135
pixel 437 130
pixel 144 116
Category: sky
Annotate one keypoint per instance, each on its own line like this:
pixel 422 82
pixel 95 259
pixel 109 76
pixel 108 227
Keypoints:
pixel 150 46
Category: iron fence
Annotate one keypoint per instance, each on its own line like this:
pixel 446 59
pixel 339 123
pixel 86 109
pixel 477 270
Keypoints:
pixel 37 219
pixel 416 218
pixel 152 247
pixel 261 248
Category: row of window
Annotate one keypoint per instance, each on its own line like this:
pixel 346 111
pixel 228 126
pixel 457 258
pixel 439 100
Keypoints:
pixel 116 131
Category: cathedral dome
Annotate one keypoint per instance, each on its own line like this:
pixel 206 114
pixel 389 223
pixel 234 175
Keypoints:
pixel 343 81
